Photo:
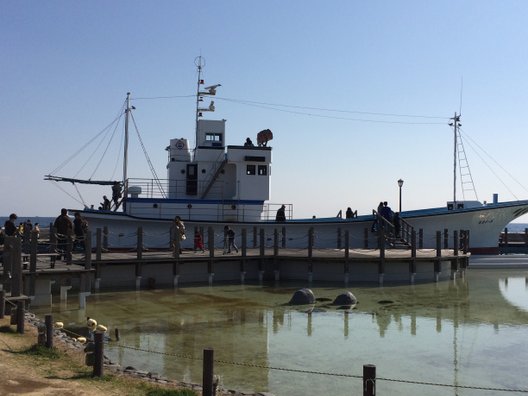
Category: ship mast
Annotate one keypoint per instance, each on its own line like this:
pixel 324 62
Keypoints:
pixel 455 124
pixel 125 154
pixel 211 91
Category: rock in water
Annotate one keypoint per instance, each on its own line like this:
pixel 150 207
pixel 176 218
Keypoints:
pixel 302 297
pixel 346 298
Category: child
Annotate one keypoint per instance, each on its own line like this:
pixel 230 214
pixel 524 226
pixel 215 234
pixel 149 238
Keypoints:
pixel 198 242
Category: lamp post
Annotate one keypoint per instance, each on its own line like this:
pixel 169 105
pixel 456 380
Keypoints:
pixel 400 185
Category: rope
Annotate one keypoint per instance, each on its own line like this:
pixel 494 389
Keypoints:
pixel 343 375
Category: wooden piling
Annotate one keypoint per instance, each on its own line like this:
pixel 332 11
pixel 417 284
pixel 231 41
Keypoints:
pixel 446 238
pixel 347 252
pixel 369 380
pixel 283 237
pixel 105 237
pixel 33 262
pixel 420 238
pixel 2 303
pixel 88 250
pixel 21 310
pixel 339 231
pixel 98 244
pixel 208 371
pixel 139 245
pixel 98 354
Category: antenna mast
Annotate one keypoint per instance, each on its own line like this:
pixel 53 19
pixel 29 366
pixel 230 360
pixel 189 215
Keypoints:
pixel 455 124
pixel 199 61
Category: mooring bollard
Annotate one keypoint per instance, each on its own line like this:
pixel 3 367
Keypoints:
pixel 98 354
pixel 48 320
pixel 207 380
pixel 369 380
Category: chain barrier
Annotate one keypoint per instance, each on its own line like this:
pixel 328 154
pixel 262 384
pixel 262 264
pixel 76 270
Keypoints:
pixel 342 375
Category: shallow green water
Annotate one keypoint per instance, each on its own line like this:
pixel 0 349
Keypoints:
pixel 469 332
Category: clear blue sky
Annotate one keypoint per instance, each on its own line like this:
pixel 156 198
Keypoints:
pixel 66 67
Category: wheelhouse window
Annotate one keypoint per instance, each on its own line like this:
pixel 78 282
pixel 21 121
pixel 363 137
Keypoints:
pixel 213 137
pixel 251 170
pixel 262 170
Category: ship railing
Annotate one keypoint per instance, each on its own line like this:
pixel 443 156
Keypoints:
pixel 391 234
pixel 269 211
pixel 165 188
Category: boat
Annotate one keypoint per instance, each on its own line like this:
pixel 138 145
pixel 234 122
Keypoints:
pixel 213 184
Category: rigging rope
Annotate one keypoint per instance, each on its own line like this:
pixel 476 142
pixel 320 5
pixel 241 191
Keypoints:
pixel 74 155
pixel 156 178
pixel 270 107
pixel 473 142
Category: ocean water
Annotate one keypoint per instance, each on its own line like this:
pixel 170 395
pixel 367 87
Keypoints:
pixel 459 334
pixel 43 221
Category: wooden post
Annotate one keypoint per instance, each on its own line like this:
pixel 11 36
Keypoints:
pixel 310 242
pixel 262 237
pixel 33 262
pixel 69 249
pixel 254 237
pixel 412 263
pixel 446 238
pixel 454 263
pixel 244 253
pixel 2 303
pixel 284 237
pixel 347 252
pixel 20 316
pixel 53 239
pixel 526 236
pixel 369 380
pixel 211 245
pixel 208 370
pixel 98 245
pixel 105 237
pixel 505 240
pixel 275 242
pixel 365 237
pixel 139 246
pixel 381 265
pixel 15 254
pixel 420 238
pixel 88 250
pixel 98 354
pixel 48 320
pixel 438 254
pixel 339 237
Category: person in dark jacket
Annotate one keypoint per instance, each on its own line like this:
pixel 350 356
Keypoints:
pixel 10 228
pixel 64 228
pixel 281 214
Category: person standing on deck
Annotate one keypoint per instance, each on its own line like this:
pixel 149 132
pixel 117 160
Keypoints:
pixel 116 194
pixel 80 226
pixel 10 228
pixel 64 228
pixel 178 231
pixel 281 214
pixel 229 240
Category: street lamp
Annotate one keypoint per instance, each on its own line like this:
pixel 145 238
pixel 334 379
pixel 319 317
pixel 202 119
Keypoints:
pixel 400 184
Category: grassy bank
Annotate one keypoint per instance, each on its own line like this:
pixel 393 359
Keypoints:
pixel 36 370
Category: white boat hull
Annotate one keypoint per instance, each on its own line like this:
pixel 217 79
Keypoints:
pixel 484 224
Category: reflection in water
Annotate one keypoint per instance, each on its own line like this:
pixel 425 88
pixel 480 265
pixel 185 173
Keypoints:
pixel 465 332
pixel 515 290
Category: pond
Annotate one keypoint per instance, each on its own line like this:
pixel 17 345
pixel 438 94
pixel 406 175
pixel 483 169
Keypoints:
pixel 462 336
